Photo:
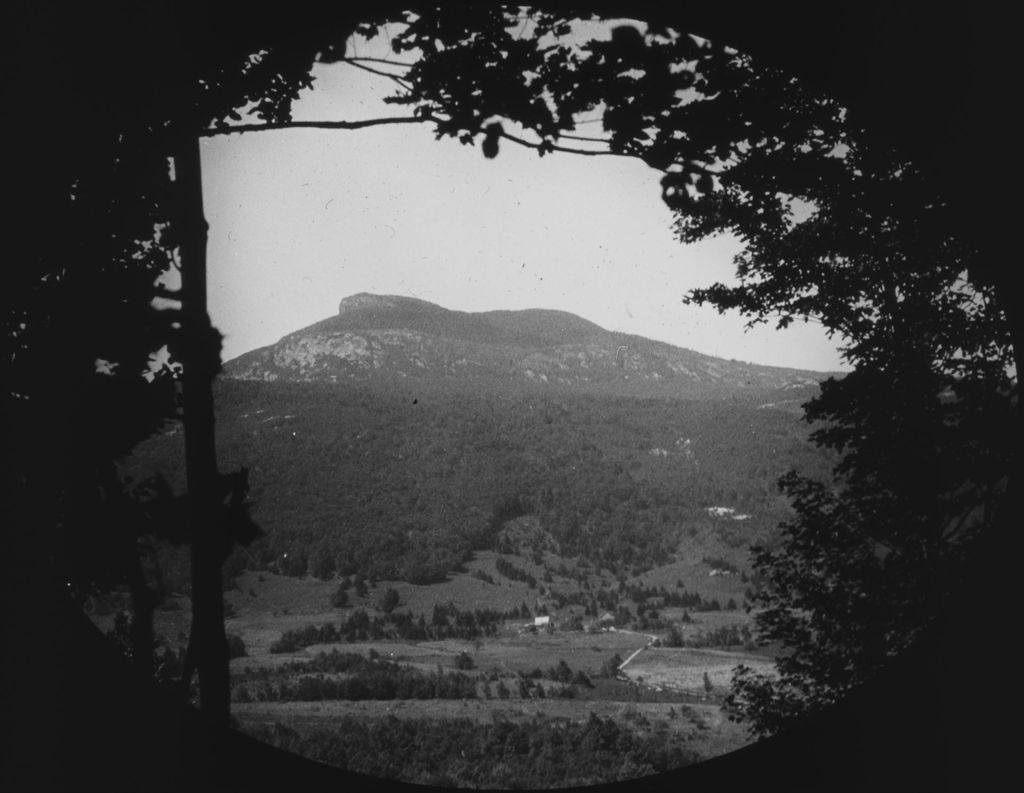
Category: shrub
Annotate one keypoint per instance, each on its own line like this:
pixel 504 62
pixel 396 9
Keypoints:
pixel 340 597
pixel 389 601
pixel 286 644
pixel 610 668
pixel 236 647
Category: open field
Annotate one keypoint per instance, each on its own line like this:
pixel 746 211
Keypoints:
pixel 264 605
pixel 509 653
pixel 696 576
pixel 660 691
pixel 682 668
pixel 683 708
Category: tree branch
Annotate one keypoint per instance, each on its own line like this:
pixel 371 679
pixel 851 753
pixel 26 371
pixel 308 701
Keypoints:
pixel 163 292
pixel 564 149
pixel 373 122
pixel 379 60
pixel 567 136
pixel 378 72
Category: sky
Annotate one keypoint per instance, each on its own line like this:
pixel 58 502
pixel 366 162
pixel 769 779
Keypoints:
pixel 300 219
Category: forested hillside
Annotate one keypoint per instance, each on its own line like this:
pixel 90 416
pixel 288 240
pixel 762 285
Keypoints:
pixel 405 483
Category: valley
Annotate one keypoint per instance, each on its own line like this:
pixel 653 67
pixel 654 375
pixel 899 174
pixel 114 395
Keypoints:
pixel 516 675
pixel 477 559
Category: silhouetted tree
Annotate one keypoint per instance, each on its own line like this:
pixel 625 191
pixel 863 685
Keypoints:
pixel 389 600
pixel 78 332
pixel 836 231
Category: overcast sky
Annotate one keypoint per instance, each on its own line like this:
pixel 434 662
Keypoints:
pixel 300 219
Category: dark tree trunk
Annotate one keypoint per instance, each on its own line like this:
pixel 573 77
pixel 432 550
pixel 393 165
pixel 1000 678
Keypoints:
pixel 144 602
pixel 200 354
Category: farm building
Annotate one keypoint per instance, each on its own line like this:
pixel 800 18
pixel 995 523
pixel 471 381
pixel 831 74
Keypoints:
pixel 541 622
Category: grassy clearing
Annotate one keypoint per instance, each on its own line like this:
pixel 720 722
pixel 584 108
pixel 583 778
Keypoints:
pixel 684 669
pixel 579 650
pixel 696 577
pixel 265 605
pixel 511 653
pixel 268 593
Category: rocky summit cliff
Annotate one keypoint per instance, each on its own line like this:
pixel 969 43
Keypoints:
pixel 384 337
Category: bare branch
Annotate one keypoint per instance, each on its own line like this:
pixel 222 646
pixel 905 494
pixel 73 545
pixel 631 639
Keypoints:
pixel 567 136
pixel 378 72
pixel 373 122
pixel 564 149
pixel 379 60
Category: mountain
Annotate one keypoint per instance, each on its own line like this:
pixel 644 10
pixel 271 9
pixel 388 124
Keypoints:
pixel 398 436
pixel 385 337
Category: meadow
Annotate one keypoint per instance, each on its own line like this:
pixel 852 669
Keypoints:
pixel 661 691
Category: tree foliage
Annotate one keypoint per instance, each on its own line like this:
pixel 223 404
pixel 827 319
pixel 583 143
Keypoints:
pixel 426 484
pixel 540 754
pixel 835 231
pixel 921 424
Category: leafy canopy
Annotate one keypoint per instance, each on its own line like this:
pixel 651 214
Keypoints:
pixel 835 231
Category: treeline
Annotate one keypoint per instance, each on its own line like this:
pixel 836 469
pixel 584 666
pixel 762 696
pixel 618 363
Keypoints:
pixel 725 636
pixel 336 675
pixel 513 573
pixel 680 598
pixel 363 678
pixel 647 600
pixel 563 673
pixel 717 563
pixel 449 622
pixel 539 754
pixel 446 622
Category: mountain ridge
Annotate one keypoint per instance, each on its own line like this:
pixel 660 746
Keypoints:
pixel 391 337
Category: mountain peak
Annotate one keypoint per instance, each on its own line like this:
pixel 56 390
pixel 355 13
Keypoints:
pixel 389 337
pixel 368 300
pixel 363 300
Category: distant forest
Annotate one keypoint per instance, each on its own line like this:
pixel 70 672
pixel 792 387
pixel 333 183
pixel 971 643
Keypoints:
pixel 404 485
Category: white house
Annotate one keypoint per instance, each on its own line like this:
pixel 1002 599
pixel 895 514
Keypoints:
pixel 540 622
